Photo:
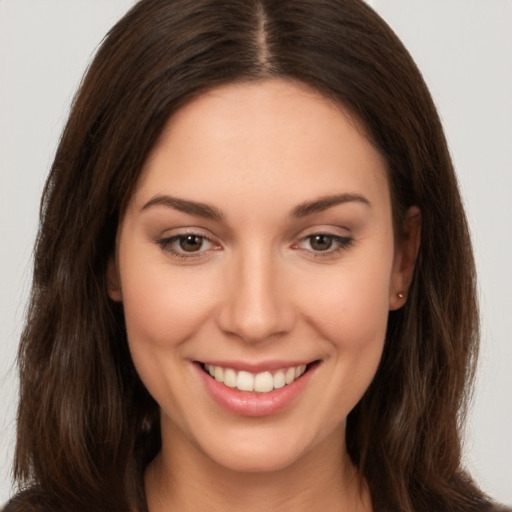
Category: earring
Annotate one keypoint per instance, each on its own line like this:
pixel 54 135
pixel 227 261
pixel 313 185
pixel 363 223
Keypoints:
pixel 400 295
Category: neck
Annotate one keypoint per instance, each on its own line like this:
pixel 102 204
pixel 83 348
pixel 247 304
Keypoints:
pixel 184 479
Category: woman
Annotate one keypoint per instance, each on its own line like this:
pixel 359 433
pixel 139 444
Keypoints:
pixel 232 306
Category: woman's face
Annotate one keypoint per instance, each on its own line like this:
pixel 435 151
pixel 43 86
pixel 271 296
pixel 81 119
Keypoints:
pixel 258 247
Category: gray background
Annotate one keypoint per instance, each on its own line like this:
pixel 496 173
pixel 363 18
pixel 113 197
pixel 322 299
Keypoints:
pixel 463 47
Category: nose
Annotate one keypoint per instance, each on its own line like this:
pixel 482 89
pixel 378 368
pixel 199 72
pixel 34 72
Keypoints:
pixel 257 305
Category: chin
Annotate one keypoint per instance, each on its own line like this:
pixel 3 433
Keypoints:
pixel 256 460
pixel 266 451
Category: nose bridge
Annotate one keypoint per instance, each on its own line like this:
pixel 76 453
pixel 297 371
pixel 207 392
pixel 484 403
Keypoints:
pixel 256 306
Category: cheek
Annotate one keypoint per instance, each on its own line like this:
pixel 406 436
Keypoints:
pixel 162 305
pixel 351 314
pixel 350 306
pixel 163 308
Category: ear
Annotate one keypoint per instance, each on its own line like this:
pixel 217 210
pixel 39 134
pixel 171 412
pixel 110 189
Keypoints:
pixel 404 261
pixel 113 280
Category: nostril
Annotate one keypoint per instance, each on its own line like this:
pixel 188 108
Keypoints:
pixel 256 307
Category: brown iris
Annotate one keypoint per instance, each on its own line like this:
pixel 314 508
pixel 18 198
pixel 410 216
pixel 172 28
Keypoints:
pixel 321 242
pixel 191 243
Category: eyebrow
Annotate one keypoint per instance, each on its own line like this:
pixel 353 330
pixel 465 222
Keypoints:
pixel 183 205
pixel 210 212
pixel 326 202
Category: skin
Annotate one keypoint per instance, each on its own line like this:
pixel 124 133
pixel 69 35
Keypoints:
pixel 260 290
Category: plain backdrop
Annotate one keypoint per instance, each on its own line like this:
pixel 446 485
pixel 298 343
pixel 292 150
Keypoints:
pixel 464 49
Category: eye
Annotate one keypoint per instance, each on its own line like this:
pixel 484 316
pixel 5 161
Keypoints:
pixel 324 244
pixel 187 245
pixel 320 242
pixel 191 243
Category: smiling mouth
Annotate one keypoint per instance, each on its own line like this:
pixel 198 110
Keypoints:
pixel 262 382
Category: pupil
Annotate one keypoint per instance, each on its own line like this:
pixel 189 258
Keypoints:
pixel 321 242
pixel 191 243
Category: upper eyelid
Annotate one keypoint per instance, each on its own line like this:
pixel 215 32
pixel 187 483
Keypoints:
pixel 183 235
pixel 323 229
pixel 185 231
pixel 336 238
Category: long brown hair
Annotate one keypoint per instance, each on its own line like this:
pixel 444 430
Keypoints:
pixel 86 425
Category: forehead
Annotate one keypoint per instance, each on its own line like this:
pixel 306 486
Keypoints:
pixel 264 139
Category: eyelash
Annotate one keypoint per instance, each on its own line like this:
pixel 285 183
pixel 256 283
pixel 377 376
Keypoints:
pixel 167 244
pixel 341 243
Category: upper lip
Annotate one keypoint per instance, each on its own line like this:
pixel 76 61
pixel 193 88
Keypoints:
pixel 256 367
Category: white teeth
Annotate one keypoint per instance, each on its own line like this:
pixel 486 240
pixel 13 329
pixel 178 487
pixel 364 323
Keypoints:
pixel 290 375
pixel 230 378
pixel 279 380
pixel 245 381
pixel 263 382
pixel 219 374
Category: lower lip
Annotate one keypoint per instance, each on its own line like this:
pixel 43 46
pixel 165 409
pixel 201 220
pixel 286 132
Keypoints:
pixel 247 403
